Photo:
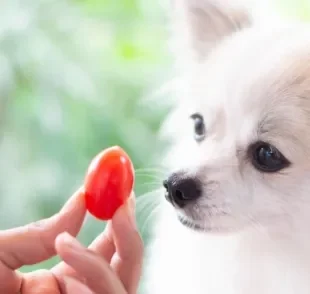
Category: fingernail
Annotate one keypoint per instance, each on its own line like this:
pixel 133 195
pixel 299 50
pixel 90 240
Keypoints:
pixel 132 210
pixel 71 242
pixel 132 203
pixel 130 213
pixel 72 202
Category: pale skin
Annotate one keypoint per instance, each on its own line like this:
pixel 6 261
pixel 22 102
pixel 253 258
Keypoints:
pixel 110 265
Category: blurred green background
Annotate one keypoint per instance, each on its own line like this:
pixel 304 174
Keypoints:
pixel 72 78
pixel 76 77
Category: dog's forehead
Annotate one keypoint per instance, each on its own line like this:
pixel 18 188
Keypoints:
pixel 261 74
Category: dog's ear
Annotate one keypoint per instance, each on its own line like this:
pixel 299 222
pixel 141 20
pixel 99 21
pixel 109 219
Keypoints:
pixel 201 24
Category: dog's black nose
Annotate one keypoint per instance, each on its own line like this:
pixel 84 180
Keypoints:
pixel 180 190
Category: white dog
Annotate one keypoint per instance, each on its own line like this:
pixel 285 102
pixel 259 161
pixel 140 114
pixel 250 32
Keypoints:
pixel 237 219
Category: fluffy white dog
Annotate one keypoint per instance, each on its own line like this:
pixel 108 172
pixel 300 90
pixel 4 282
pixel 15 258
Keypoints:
pixel 237 219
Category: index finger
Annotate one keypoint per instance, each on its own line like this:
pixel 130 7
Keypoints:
pixel 34 243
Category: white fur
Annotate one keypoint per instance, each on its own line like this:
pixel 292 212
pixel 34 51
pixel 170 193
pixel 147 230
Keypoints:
pixel 250 84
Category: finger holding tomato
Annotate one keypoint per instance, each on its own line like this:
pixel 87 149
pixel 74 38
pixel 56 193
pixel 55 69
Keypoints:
pixel 111 264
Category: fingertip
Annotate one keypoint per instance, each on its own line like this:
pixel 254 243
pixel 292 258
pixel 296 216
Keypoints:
pixel 124 219
pixel 60 241
pixel 125 215
pixel 71 217
pixel 68 240
pixel 132 202
pixel 60 244
pixel 65 245
pixel 76 202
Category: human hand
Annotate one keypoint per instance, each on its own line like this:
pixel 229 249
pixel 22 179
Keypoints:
pixel 111 265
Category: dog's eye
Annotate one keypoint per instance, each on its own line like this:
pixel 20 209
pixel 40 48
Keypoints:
pixel 268 158
pixel 199 127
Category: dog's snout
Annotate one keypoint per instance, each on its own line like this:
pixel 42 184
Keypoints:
pixel 180 190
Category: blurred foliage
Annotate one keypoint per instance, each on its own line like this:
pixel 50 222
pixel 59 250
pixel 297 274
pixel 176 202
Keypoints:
pixel 74 79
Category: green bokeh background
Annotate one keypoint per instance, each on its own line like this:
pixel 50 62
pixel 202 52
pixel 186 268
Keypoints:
pixel 76 77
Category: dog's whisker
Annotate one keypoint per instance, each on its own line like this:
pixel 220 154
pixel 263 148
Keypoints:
pixel 149 217
pixel 148 199
pixel 154 170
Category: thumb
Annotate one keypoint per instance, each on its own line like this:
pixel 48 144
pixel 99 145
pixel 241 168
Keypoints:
pixel 127 263
pixel 34 243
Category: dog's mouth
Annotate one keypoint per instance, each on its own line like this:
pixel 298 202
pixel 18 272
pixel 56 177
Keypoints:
pixel 205 227
pixel 190 224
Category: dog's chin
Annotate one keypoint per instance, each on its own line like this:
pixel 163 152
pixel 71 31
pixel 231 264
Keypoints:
pixel 206 227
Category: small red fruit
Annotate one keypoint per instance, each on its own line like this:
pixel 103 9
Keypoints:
pixel 108 183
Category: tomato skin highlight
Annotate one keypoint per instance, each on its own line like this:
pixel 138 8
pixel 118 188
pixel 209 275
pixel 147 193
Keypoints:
pixel 108 183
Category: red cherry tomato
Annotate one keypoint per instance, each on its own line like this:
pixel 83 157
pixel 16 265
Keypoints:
pixel 108 183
